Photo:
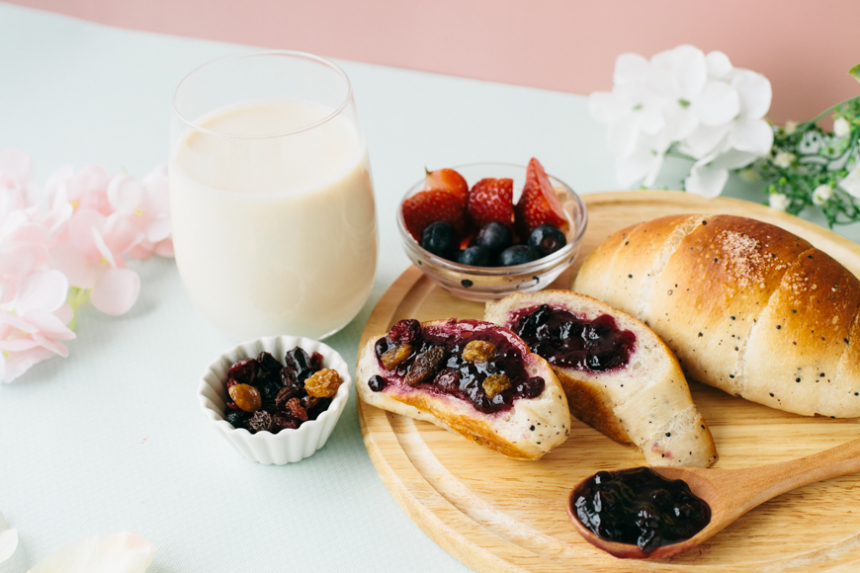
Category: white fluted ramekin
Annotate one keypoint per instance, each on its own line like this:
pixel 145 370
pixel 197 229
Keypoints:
pixel 286 446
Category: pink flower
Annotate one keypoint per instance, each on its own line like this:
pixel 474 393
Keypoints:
pixel 33 324
pixel 145 204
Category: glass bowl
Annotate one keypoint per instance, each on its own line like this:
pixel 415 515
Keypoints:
pixel 491 283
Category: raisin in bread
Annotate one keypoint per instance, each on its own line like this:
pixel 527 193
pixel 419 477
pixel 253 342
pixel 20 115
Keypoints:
pixel 619 377
pixel 471 377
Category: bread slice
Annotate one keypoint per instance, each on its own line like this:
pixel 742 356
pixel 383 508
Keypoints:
pixel 525 420
pixel 619 377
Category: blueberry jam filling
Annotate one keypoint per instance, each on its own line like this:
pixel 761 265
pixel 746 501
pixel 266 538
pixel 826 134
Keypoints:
pixel 566 340
pixel 472 360
pixel 639 506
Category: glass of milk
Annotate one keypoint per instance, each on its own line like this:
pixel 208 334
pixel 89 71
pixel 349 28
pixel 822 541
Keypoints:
pixel 274 224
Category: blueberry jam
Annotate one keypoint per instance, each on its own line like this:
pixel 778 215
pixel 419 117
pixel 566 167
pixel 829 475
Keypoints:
pixel 566 340
pixel 473 360
pixel 639 506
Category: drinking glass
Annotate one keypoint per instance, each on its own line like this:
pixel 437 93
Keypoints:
pixel 274 223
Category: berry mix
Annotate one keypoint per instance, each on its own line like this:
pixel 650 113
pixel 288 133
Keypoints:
pixel 472 360
pixel 267 396
pixel 482 226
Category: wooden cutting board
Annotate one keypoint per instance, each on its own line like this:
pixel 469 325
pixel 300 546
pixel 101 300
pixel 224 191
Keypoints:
pixel 500 515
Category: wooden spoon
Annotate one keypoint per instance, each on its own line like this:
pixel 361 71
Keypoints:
pixel 732 493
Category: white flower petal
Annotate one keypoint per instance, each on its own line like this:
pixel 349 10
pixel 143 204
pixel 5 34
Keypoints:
pixel 630 68
pixel 101 245
pixel 719 66
pixel 121 553
pixel 705 140
pixel 778 201
pixel 116 291
pixel 680 122
pixel 645 160
pixel 706 181
pixel 8 537
pixel 755 93
pixel 42 290
pixel 753 135
pixel 719 103
pixel 841 127
pixel 124 193
pixel 691 71
pixel 822 194
pixel 851 183
pixel 733 159
pixel 622 136
pixel 607 108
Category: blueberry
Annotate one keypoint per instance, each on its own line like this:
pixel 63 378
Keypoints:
pixel 494 237
pixel 517 255
pixel 438 238
pixel 546 239
pixel 474 255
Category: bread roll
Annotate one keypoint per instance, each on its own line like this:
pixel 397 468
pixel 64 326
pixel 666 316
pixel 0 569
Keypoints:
pixel 518 424
pixel 643 400
pixel 747 307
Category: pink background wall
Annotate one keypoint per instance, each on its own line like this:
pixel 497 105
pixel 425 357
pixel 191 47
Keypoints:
pixel 804 47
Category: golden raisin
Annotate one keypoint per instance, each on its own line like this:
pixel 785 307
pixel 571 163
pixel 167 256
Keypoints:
pixel 496 384
pixel 391 358
pixel 323 384
pixel 246 397
pixel 479 351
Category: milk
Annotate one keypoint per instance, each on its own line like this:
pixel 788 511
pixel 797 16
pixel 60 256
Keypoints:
pixel 274 234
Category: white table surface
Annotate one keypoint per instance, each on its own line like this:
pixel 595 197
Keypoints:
pixel 112 438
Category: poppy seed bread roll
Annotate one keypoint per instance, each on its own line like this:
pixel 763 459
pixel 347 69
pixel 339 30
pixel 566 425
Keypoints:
pixel 746 306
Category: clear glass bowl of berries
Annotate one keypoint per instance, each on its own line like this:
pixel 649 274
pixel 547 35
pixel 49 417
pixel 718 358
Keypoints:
pixel 276 400
pixel 484 230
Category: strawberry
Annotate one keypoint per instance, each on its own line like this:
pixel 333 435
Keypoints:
pixel 447 180
pixel 426 207
pixel 538 204
pixel 491 201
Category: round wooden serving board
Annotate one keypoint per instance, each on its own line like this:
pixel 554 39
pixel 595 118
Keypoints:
pixel 500 515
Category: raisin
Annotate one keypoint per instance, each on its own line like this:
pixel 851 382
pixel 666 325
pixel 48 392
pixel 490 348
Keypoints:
pixel 261 421
pixel 246 397
pixel 287 393
pixel 299 361
pixel 243 371
pixel 309 402
pixel 323 384
pixel 395 356
pixel 316 361
pixel 495 384
pixel 377 383
pixel 478 351
pixel 282 421
pixel 269 390
pixel 268 364
pixel 425 366
pixel 288 377
pixel 320 407
pixel 236 419
pixel 295 409
pixel 407 331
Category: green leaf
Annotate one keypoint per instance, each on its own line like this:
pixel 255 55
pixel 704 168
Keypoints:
pixel 855 72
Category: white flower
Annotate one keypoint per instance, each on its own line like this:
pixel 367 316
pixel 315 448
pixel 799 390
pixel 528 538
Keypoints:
pixel 682 97
pixel 120 553
pixel 8 540
pixel 851 182
pixel 779 201
pixel 841 127
pixel 784 159
pixel 822 194
pixel 790 127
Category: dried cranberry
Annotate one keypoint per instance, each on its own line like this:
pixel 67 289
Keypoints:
pixel 231 383
pixel 377 383
pixel 447 379
pixel 295 409
pixel 407 331
pixel 261 421
pixel 243 371
pixel 316 361
pixel 233 406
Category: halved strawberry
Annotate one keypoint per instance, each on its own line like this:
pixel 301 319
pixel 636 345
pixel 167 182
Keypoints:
pixel 426 207
pixel 491 201
pixel 447 180
pixel 538 204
